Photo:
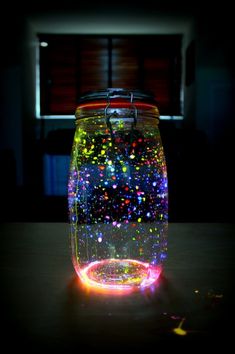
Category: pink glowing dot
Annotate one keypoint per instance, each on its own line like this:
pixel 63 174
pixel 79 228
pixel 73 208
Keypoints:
pixel 114 186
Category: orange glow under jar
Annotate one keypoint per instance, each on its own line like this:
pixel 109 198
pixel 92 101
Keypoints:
pixel 118 191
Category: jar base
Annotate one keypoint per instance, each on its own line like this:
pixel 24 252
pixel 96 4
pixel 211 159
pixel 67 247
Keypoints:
pixel 119 274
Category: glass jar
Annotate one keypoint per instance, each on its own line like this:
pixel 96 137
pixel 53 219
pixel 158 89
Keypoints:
pixel 117 191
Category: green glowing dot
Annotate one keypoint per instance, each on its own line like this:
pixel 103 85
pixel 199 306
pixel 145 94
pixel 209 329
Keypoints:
pixel 124 169
pixel 133 238
pixel 137 168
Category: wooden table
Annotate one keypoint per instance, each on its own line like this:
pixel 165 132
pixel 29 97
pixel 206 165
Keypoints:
pixel 45 308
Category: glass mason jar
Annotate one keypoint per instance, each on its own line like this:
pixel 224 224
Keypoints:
pixel 117 191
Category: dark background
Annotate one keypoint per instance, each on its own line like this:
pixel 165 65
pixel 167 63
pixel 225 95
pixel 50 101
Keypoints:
pixel 199 150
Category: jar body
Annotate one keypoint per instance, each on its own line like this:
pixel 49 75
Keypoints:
pixel 118 200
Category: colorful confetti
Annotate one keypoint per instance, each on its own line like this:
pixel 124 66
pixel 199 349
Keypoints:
pixel 118 199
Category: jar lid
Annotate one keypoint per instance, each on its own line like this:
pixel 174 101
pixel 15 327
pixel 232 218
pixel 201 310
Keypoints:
pixel 109 94
pixel 117 98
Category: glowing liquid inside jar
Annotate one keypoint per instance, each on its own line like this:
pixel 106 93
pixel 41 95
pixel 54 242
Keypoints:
pixel 118 198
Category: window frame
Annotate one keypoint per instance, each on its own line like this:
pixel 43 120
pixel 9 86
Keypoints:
pixel 40 116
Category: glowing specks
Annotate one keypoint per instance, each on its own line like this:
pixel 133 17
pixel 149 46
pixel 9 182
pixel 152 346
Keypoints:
pixel 118 204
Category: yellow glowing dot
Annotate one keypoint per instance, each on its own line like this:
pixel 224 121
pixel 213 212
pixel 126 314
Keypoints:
pixel 102 152
pixel 179 331
pixel 132 156
pixel 109 162
pixel 196 291
pixel 139 219
pixel 137 168
pixel 124 169
pixel 136 187
pixel 85 150
pixel 151 230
